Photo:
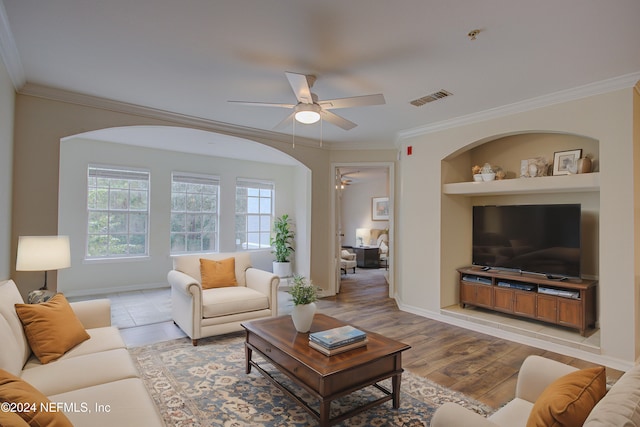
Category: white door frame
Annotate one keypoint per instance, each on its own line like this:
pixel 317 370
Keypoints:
pixel 335 203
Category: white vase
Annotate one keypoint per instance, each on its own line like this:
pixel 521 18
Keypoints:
pixel 302 316
pixel 282 269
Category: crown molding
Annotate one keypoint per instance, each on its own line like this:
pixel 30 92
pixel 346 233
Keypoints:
pixel 9 51
pixel 259 135
pixel 598 88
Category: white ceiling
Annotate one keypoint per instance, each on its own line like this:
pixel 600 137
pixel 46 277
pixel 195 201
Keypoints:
pixel 192 56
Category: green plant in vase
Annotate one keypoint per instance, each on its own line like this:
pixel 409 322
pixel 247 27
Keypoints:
pixel 282 244
pixel 304 295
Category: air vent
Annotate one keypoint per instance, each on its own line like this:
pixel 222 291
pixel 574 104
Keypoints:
pixel 430 98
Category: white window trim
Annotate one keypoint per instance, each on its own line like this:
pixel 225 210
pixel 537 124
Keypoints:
pixel 127 173
pixel 190 177
pixel 259 184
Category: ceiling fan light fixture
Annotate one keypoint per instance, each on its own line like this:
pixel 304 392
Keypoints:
pixel 307 113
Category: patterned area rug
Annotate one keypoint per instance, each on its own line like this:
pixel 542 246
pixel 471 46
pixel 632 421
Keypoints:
pixel 207 386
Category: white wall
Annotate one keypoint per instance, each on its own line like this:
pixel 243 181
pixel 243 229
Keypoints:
pixel 7 99
pixel 356 206
pixel 435 239
pixel 85 277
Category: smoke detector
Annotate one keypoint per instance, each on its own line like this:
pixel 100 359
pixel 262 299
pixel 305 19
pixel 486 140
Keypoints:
pixel 473 33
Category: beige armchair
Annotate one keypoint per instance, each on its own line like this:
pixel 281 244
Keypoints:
pixel 206 312
pixel 347 261
pixel 383 250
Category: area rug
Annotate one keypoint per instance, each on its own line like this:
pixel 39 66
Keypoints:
pixel 207 386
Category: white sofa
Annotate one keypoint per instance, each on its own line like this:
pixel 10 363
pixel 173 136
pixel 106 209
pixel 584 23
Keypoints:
pixel 98 372
pixel 203 313
pixel 620 407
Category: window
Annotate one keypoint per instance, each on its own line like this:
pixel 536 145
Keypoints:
pixel 194 213
pixel 118 212
pixel 254 212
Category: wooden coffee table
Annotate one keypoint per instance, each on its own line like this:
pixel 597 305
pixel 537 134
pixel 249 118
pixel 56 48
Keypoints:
pixel 325 377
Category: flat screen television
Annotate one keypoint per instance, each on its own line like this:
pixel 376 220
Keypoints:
pixel 543 239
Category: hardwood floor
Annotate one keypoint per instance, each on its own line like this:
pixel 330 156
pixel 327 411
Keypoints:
pixel 478 365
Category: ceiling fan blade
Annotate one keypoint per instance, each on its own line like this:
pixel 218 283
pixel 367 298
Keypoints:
pixel 354 101
pixel 285 122
pixel 263 104
pixel 300 86
pixel 337 120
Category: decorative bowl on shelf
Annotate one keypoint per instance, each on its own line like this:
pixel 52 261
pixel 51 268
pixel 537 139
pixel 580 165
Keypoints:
pixel 488 176
pixel 477 177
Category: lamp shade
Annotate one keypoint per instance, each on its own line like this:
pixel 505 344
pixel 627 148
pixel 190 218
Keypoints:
pixel 42 253
pixel 363 236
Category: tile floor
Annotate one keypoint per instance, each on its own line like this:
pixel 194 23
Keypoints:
pixel 144 317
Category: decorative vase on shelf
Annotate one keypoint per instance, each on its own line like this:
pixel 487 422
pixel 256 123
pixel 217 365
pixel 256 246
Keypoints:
pixel 584 165
pixel 302 316
pixel 487 172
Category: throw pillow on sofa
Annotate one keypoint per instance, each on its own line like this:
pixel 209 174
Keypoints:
pixel 31 406
pixel 218 274
pixel 568 400
pixel 51 327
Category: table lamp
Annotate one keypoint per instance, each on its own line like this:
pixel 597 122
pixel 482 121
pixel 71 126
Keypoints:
pixel 42 253
pixel 363 236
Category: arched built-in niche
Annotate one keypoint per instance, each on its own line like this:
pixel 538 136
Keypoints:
pixel 460 194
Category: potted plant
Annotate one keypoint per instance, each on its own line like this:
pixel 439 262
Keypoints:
pixel 281 243
pixel 304 295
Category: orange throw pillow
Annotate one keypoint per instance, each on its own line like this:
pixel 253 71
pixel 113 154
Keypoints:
pixel 568 400
pixel 218 274
pixel 31 402
pixel 51 327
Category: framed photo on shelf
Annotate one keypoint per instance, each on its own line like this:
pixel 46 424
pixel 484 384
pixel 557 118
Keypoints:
pixel 566 162
pixel 379 208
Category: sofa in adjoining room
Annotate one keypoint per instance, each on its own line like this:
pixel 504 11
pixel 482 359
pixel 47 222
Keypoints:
pixel 63 364
pixel 212 294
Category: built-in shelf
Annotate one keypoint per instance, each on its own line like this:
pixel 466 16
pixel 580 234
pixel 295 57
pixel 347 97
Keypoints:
pixel 546 184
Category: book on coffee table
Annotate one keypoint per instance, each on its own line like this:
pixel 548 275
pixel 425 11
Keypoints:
pixel 337 337
pixel 336 350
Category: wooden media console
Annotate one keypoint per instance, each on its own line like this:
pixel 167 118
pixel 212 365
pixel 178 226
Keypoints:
pixel 570 302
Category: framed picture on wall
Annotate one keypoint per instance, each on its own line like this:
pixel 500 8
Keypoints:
pixel 379 208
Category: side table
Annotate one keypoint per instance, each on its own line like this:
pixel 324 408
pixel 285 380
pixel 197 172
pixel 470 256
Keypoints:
pixel 367 257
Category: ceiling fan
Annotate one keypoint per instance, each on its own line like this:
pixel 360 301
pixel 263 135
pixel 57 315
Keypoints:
pixel 309 109
pixel 345 180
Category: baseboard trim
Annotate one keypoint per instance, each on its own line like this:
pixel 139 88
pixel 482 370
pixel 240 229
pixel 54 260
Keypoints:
pixel 114 290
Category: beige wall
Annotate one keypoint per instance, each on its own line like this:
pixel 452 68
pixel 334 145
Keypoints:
pixel 7 95
pixel 434 230
pixel 41 123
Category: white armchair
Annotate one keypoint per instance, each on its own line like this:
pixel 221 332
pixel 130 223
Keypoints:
pixel 347 261
pixel 206 312
pixel 383 249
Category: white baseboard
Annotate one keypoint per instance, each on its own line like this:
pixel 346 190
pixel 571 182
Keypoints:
pixel 115 290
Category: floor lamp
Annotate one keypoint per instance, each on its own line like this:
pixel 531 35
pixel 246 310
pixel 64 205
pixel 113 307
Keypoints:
pixel 42 253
